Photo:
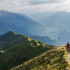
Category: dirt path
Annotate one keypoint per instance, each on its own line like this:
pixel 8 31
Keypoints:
pixel 68 57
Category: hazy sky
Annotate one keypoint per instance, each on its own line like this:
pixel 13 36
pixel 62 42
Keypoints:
pixel 33 6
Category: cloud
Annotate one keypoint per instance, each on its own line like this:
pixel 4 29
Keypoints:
pixel 44 1
pixel 30 1
pixel 33 6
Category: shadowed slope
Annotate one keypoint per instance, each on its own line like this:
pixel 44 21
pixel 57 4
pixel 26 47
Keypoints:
pixel 18 49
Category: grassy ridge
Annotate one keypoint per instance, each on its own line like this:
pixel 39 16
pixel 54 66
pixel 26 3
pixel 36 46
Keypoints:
pixel 53 59
pixel 19 52
pixel 18 49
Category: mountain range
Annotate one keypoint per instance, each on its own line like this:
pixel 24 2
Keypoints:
pixel 22 24
pixel 27 43
pixel 19 23
pixel 57 24
pixel 54 26
pixel 20 52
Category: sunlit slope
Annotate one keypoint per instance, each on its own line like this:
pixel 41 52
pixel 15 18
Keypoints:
pixel 54 59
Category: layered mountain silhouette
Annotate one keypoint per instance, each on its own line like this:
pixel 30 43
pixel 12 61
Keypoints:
pixel 19 23
pixel 57 23
pixel 20 52
pixel 54 25
pixel 22 24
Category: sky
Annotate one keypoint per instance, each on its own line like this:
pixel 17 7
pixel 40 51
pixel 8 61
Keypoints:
pixel 33 6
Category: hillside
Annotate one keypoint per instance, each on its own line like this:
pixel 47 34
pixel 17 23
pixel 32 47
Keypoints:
pixel 54 59
pixel 45 40
pixel 20 52
pixel 16 49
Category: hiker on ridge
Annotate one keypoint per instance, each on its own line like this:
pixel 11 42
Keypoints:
pixel 68 45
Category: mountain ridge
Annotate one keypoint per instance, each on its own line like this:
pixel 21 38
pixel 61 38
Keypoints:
pixel 16 49
pixel 49 60
pixel 20 52
pixel 45 40
pixel 21 24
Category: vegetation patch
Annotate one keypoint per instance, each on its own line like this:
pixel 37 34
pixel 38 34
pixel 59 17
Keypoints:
pixel 53 59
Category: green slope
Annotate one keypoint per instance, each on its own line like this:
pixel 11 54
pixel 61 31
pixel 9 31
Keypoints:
pixel 17 49
pixel 20 52
pixel 53 59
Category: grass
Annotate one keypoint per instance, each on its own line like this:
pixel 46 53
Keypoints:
pixel 53 59
pixel 23 53
pixel 19 49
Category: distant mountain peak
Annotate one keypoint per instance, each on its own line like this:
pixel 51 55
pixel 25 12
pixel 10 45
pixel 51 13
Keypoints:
pixel 7 36
pixel 3 12
pixel 10 33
